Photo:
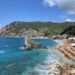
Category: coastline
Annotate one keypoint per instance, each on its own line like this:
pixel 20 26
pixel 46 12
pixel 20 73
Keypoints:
pixel 51 65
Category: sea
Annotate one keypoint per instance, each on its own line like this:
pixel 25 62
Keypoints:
pixel 15 60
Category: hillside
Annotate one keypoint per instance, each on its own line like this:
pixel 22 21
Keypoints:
pixel 69 30
pixel 17 28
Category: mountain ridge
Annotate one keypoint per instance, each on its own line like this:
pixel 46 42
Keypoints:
pixel 16 26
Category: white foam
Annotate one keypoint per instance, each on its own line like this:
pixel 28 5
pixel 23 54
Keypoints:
pixel 22 48
pixel 59 42
pixel 1 52
pixel 49 67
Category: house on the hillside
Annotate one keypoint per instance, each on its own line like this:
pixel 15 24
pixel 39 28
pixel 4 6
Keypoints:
pixel 72 38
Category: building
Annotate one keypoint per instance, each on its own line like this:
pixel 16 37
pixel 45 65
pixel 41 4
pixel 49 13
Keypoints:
pixel 72 38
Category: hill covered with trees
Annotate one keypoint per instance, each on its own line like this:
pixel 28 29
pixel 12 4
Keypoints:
pixel 50 28
pixel 69 30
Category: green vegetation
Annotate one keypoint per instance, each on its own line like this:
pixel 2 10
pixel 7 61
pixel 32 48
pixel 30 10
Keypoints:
pixel 49 28
pixel 69 30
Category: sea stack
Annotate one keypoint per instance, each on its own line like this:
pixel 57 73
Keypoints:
pixel 27 43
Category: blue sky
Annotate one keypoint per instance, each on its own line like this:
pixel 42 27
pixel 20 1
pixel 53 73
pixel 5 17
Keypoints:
pixel 36 10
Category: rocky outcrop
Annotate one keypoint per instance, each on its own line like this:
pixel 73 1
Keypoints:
pixel 33 45
pixel 67 69
pixel 37 46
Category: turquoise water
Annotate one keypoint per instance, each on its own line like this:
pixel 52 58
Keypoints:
pixel 46 42
pixel 17 61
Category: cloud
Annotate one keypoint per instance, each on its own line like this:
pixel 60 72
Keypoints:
pixel 67 19
pixel 66 5
pixel 49 3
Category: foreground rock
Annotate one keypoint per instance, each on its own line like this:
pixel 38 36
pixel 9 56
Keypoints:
pixel 67 69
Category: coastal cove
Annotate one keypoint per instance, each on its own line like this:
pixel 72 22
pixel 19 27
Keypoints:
pixel 37 37
pixel 16 61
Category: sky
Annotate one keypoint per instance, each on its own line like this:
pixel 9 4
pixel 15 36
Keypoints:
pixel 36 10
